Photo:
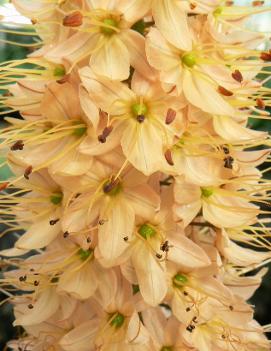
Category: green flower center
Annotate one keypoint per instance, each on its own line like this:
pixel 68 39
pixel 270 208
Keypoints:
pixel 189 59
pixel 206 192
pixel 167 348
pixel 117 321
pixel 112 187
pixel 146 231
pixel 59 71
pixel 218 11
pixel 109 22
pixel 85 254
pixel 56 198
pixel 80 130
pixel 139 109
pixel 180 279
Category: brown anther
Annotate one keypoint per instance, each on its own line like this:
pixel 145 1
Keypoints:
pixel 165 246
pixel 140 118
pixel 3 186
pixel 224 91
pixel 195 320
pixel 189 328
pixel 168 157
pixel 30 306
pixel 257 3
pixel 126 238
pixel 22 278
pixel 229 3
pixel 185 293
pixel 88 240
pixel 159 256
pixel 64 79
pixel 34 21
pixel 54 221
pixel 66 234
pixel 237 75
pixel 101 221
pixel 266 56
pixel 188 309
pixel 101 139
pixel 27 172
pixel 105 133
pixel 228 162
pixel 193 6
pixel 32 270
pixel 223 336
pixel 260 104
pixel 110 186
pixel 171 115
pixel 74 19
pixel 225 150
pixel 18 145
pixel 36 282
pixel 231 308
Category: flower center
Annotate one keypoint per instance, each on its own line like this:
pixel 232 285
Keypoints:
pixel 109 22
pixel 80 130
pixel 112 187
pixel 189 59
pixel 146 231
pixel 139 110
pixel 118 320
pixel 180 279
pixel 56 198
pixel 218 11
pixel 59 71
pixel 206 192
pixel 85 254
pixel 167 348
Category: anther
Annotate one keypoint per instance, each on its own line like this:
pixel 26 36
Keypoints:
pixel 168 157
pixel 30 306
pixel 105 133
pixel 36 282
pixel 19 145
pixel 54 221
pixel 231 308
pixel 27 172
pixel 223 336
pixel 237 75
pixel 101 221
pixel 224 91
pixel 66 234
pixel 112 187
pixel 88 239
pixel 266 56
pixel 22 278
pixel 228 162
pixel 185 293
pixel 257 3
pixel 3 186
pixel 193 6
pixel 188 309
pixel 195 320
pixel 165 246
pixel 189 328
pixel 74 19
pixel 159 256
pixel 260 104
pixel 126 238
pixel 140 118
pixel 171 115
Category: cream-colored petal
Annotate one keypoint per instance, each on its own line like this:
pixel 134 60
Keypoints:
pixel 88 106
pixel 133 10
pixel 119 224
pixel 150 274
pixel 112 60
pixel 45 306
pixel 171 20
pixel 202 93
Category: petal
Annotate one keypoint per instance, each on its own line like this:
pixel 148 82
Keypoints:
pixel 110 96
pixel 202 93
pixel 142 145
pixel 89 107
pixel 46 305
pixel 135 43
pixel 120 223
pixel 40 234
pixel 186 253
pixel 112 60
pixel 80 283
pixel 171 20
pixel 80 338
pixel 133 10
pixel 150 274
pixel 160 53
pixel 232 131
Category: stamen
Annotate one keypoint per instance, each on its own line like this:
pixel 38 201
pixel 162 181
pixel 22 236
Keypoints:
pixel 74 19
pixel 112 187
pixel 168 157
pixel 237 75
pixel 18 145
pixel 27 172
pixel 171 115
pixel 224 91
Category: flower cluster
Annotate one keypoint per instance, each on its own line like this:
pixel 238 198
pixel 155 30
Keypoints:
pixel 135 178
